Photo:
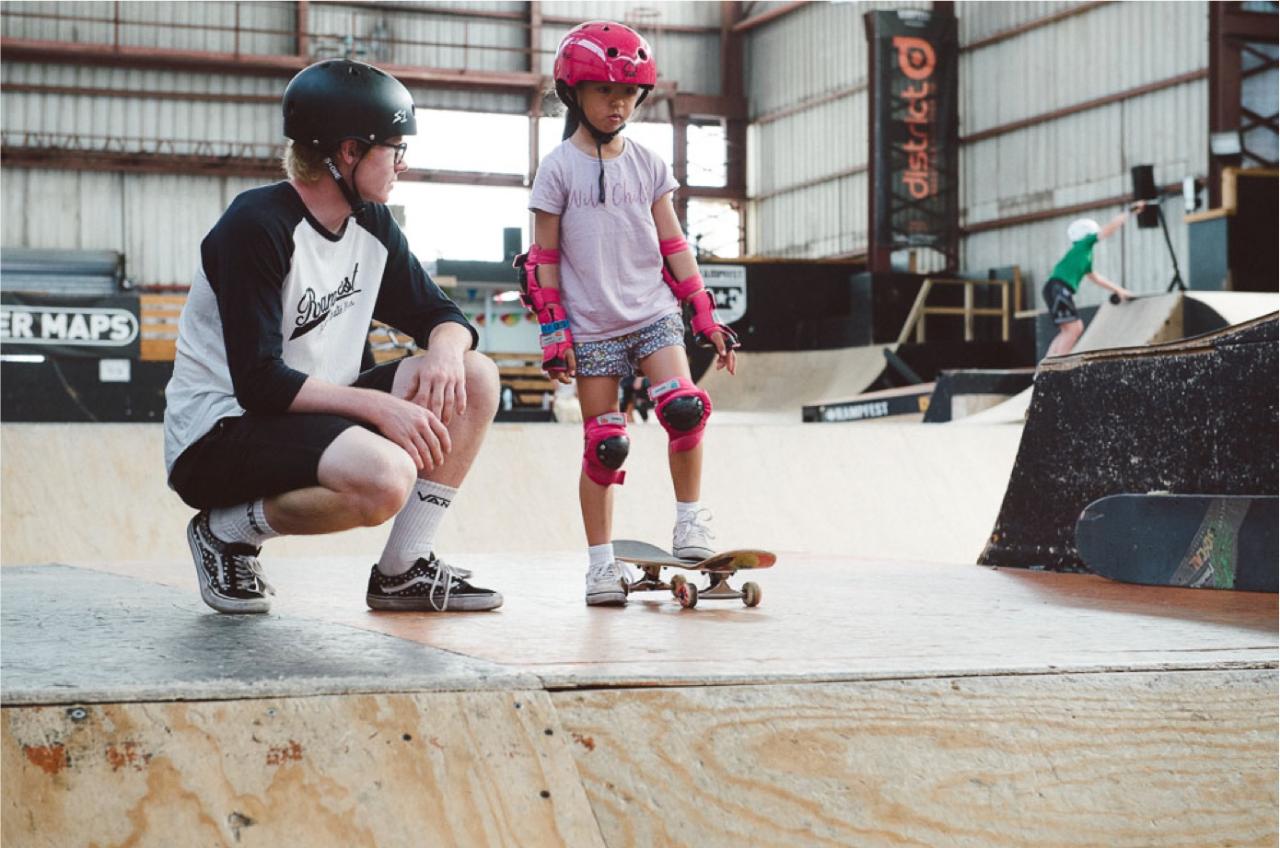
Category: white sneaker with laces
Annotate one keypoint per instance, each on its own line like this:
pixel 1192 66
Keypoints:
pixel 692 536
pixel 606 584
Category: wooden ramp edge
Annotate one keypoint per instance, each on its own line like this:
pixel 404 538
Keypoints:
pixel 1127 758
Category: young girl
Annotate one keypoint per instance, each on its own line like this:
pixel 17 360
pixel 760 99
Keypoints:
pixel 606 276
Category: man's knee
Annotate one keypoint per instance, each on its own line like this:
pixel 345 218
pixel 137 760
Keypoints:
pixel 374 474
pixel 386 485
pixel 482 383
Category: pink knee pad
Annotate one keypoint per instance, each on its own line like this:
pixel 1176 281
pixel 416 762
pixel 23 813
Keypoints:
pixel 606 449
pixel 683 409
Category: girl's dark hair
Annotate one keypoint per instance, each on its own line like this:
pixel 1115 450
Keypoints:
pixel 570 124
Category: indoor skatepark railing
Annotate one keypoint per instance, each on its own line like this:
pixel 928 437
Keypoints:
pixel 919 311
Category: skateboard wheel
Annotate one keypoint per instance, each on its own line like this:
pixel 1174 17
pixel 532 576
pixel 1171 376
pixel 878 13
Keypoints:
pixel 751 594
pixel 688 595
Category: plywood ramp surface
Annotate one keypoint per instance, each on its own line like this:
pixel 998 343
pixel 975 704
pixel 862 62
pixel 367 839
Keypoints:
pixel 783 382
pixel 1173 759
pixel 84 492
pixel 478 768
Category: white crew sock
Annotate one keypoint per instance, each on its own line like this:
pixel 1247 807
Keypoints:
pixel 414 528
pixel 245 523
pixel 686 511
pixel 600 554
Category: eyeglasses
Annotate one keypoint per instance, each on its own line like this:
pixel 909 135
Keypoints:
pixel 398 148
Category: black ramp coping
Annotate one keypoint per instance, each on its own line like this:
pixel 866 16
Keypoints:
pixel 1197 416
pixel 72 635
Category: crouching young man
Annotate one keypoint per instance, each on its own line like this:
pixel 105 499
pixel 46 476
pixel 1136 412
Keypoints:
pixel 277 422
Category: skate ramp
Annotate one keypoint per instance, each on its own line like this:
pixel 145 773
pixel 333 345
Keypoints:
pixel 783 382
pixel 96 492
pixel 1197 416
pixel 1147 320
pixel 1237 307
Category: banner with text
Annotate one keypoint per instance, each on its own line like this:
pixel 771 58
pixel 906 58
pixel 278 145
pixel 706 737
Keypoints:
pixel 914 141
pixel 107 326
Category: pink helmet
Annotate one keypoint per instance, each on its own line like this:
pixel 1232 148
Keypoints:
pixel 603 51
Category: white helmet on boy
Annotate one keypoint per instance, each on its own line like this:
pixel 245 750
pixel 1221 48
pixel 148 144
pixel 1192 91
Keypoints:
pixel 1081 227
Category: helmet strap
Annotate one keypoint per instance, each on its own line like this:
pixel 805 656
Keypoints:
pixel 600 137
pixel 354 200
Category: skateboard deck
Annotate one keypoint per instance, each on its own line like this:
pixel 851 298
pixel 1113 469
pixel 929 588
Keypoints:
pixel 719 568
pixel 1200 541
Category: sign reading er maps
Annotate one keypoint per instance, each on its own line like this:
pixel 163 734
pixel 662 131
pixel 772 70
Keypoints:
pixel 728 284
pixel 100 326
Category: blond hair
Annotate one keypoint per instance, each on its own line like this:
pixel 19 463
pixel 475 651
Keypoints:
pixel 303 164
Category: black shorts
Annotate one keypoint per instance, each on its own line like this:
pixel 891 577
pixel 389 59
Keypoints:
pixel 1060 299
pixel 253 456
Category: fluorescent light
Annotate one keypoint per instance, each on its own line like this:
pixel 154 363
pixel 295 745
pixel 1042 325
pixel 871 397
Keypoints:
pixel 1225 143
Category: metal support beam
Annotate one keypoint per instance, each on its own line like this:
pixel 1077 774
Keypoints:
pixel 1230 29
pixel 1095 103
pixel 748 24
pixel 1060 211
pixel 69 53
pixel 260 167
pixel 303 21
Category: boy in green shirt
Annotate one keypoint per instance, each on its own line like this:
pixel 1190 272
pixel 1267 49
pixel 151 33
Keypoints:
pixel 1064 282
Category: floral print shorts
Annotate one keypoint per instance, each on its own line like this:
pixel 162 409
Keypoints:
pixel 621 356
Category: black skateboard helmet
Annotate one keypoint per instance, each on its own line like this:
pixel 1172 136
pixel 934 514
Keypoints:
pixel 337 99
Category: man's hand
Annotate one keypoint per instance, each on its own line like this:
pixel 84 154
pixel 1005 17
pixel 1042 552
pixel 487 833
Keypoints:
pixel 419 431
pixel 725 356
pixel 437 382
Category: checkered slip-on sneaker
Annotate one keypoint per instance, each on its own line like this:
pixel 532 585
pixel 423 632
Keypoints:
pixel 429 586
pixel 230 576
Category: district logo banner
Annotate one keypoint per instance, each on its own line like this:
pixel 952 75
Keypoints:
pixel 914 141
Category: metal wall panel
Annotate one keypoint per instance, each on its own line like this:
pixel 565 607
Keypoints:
pixel 136 123
pixel 799 165
pixel 983 19
pixel 156 221
pixel 1086 156
pixel 204 26
pixel 827 219
pixel 826 140
pixel 419 38
pixel 1103 51
pixel 86 22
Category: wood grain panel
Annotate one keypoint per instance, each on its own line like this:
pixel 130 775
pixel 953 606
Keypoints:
pixel 1122 759
pixel 481 768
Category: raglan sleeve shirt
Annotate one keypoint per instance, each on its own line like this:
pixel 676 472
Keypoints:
pixel 246 262
pixel 408 299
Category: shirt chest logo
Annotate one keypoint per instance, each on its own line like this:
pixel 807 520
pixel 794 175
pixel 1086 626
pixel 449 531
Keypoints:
pixel 314 309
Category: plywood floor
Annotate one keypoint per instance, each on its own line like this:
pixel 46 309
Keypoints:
pixel 822 618
pixel 866 703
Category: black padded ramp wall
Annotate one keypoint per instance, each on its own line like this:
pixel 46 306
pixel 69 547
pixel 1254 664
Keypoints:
pixel 1197 416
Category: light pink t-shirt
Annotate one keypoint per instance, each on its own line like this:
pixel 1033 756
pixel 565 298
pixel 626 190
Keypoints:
pixel 610 267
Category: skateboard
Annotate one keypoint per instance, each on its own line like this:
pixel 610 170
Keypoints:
pixel 651 559
pixel 1201 541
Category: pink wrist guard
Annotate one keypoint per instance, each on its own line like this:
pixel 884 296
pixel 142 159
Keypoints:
pixel 705 322
pixel 556 337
